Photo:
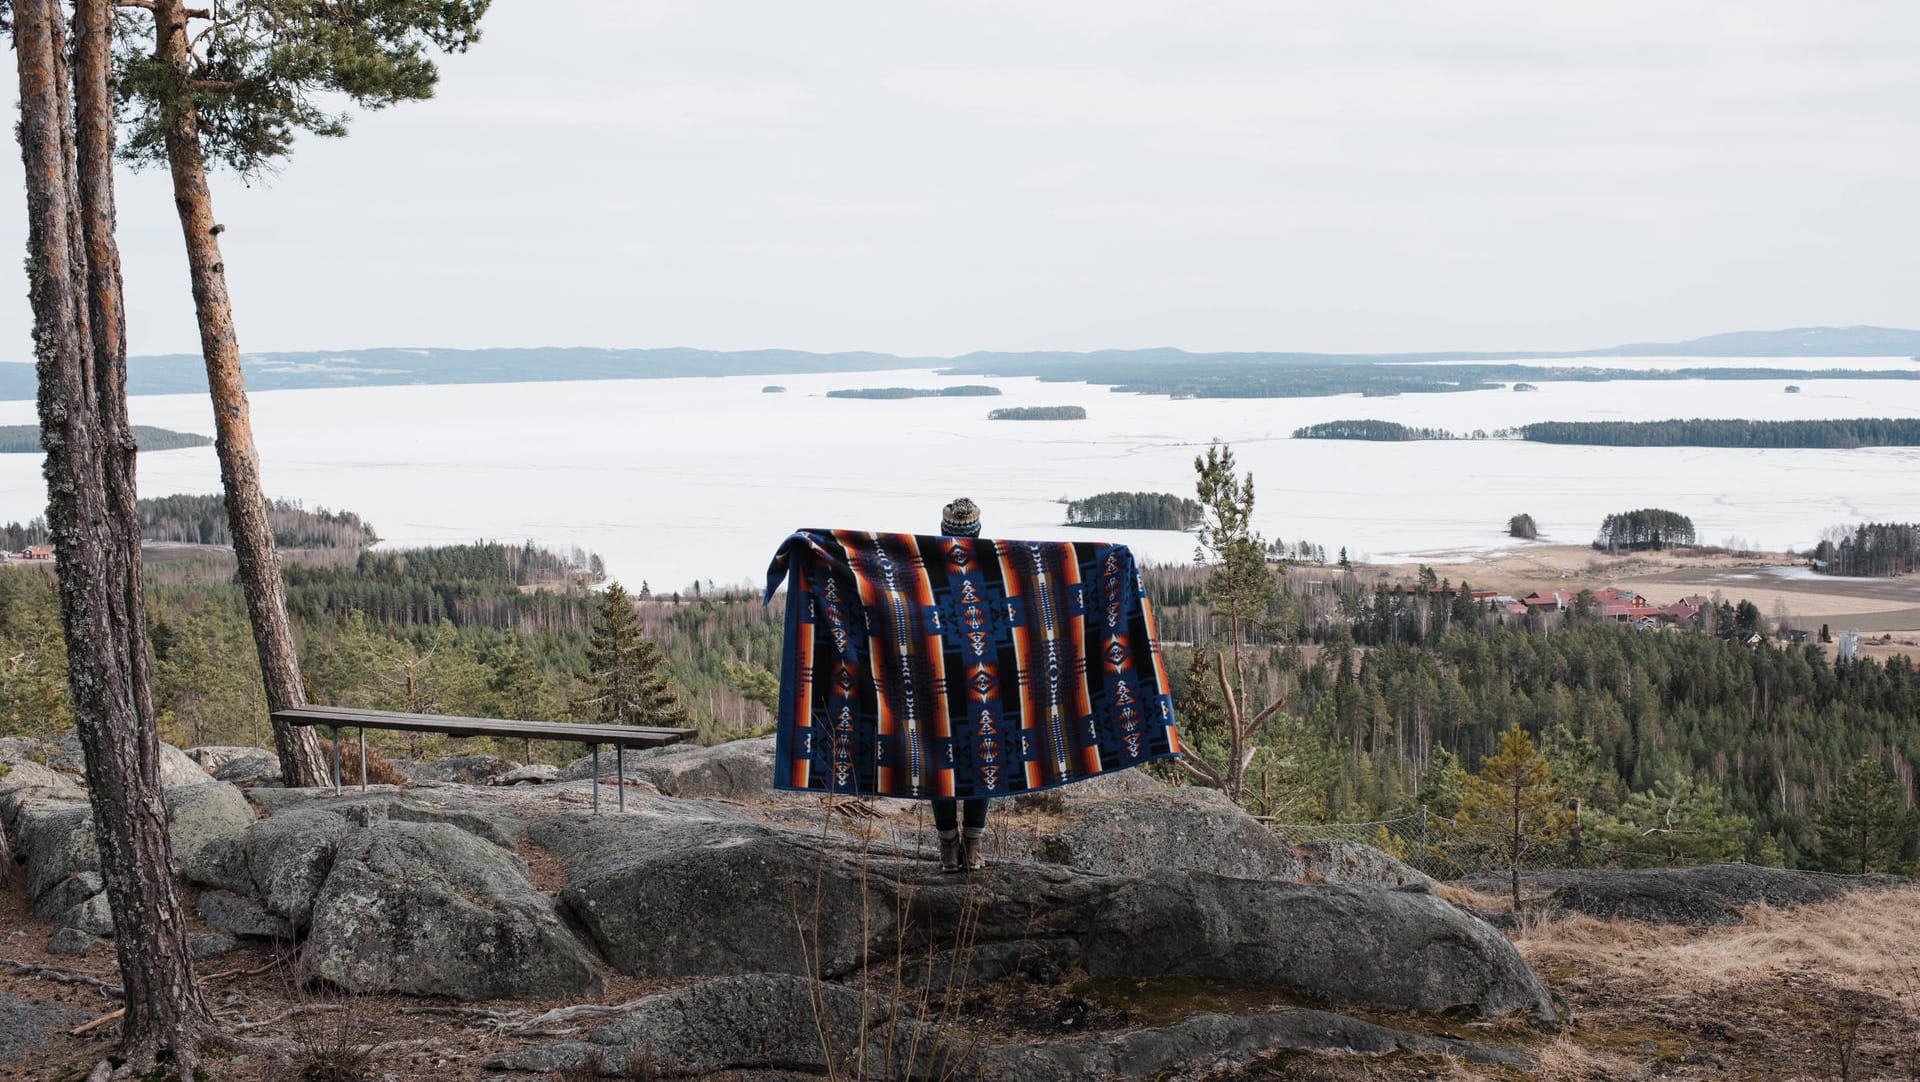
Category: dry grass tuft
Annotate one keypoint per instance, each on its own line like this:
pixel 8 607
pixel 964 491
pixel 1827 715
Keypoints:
pixel 1565 1061
pixel 1869 942
pixel 1472 899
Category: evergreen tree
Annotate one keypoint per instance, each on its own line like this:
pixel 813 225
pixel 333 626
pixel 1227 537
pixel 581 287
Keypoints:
pixel 1443 784
pixel 1680 820
pixel 628 671
pixel 1513 804
pixel 234 84
pixel 1865 820
pixel 1241 588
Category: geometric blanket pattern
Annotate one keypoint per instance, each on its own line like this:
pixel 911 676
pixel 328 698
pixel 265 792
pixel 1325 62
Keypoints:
pixel 954 667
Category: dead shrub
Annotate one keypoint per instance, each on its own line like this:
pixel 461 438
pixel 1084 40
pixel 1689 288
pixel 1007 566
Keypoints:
pixel 380 769
pixel 325 1048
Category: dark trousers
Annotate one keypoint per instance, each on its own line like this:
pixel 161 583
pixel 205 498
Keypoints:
pixel 946 818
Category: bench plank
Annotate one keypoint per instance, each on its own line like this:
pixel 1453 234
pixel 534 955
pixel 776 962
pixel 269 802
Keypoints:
pixel 628 736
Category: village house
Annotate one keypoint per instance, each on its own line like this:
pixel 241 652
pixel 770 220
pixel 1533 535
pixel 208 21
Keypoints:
pixel 37 552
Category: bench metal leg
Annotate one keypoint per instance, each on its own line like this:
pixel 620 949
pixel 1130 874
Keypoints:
pixel 336 760
pixel 620 773
pixel 363 760
pixel 596 779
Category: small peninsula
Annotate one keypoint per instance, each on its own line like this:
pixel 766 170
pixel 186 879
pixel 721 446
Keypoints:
pixel 965 390
pixel 1038 413
pixel 25 439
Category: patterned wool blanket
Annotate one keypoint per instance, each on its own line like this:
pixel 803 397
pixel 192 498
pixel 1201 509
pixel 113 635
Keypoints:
pixel 951 667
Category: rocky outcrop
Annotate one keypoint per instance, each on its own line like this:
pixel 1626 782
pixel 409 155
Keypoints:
pixel 1351 862
pixel 1203 1044
pixel 634 881
pixel 200 815
pixel 736 770
pixel 241 916
pixel 23 779
pixel 466 809
pixel 1160 829
pixel 176 770
pixel 456 770
pixel 429 909
pixel 26 1024
pixel 1119 783
pixel 1712 894
pixel 56 840
pixel 532 774
pixel 758 1021
pixel 768 1022
pixel 1357 944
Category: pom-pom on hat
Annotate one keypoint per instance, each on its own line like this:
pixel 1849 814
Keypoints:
pixel 960 519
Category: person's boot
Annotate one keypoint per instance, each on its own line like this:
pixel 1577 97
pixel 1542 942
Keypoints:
pixel 950 854
pixel 973 853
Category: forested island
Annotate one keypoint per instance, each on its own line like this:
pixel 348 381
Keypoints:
pixel 1525 387
pixel 965 390
pixel 1134 511
pixel 1369 430
pixel 202 520
pixel 1698 432
pixel 773 388
pixel 1872 549
pixel 25 439
pixel 1182 375
pixel 1038 413
pixel 1713 432
pixel 1647 528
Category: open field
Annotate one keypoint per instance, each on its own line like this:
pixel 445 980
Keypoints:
pixel 1776 582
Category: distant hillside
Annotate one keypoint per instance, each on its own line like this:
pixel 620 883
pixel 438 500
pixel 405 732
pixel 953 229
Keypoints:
pixel 25 439
pixel 1158 370
pixel 1792 342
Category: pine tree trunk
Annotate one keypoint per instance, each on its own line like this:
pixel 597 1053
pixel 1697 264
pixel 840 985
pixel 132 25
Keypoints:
pixel 1514 854
pixel 301 763
pixel 81 361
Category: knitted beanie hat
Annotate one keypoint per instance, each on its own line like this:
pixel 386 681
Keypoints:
pixel 960 519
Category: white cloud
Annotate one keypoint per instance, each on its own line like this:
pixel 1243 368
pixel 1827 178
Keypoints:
pixel 935 178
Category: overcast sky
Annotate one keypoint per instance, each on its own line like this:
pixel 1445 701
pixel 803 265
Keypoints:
pixel 934 178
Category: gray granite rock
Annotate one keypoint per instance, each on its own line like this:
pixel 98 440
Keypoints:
pixel 1712 894
pixel 752 1021
pixel 72 941
pixel 1161 829
pixel 1351 862
pixel 532 774
pixel 204 945
pixel 429 909
pixel 239 916
pixel 458 770
pixel 736 770
pixel 26 1024
pixel 782 1023
pixel 665 896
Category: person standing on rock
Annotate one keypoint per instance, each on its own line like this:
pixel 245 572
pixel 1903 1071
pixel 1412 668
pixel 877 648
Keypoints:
pixel 951 668
pixel 961 848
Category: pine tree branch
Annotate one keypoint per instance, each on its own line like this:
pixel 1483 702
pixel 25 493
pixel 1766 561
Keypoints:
pixel 1192 763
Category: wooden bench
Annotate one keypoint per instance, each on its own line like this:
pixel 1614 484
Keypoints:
pixel 621 737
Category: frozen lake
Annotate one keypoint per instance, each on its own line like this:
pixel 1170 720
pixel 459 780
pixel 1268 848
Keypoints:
pixel 673 480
